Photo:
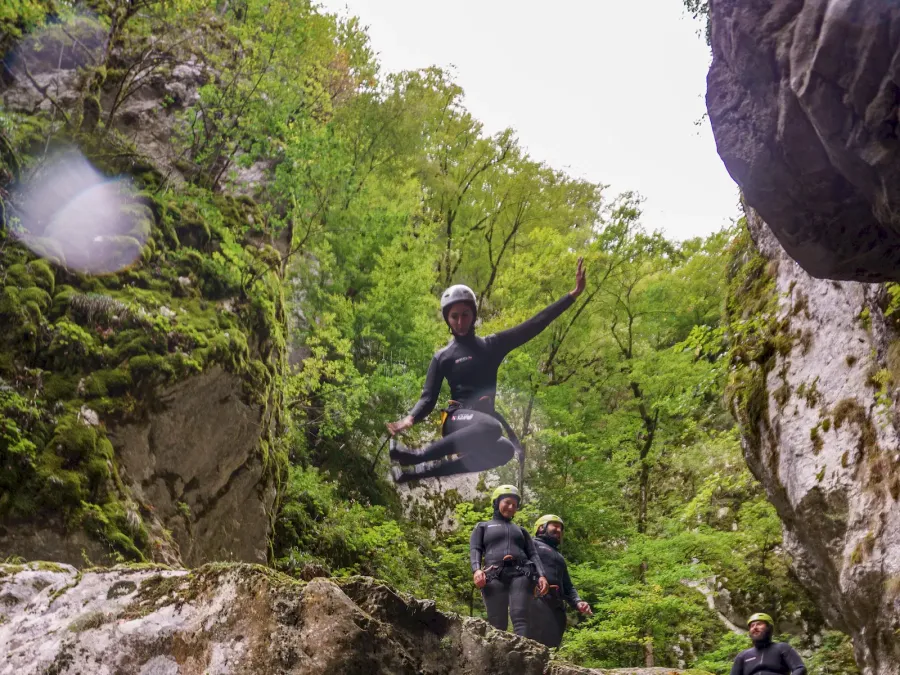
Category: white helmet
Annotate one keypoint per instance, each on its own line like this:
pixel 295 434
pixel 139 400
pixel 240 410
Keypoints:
pixel 457 293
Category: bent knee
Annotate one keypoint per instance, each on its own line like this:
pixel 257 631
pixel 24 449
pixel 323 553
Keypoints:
pixel 505 450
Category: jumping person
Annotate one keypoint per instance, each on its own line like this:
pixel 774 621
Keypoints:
pixel 504 563
pixel 471 428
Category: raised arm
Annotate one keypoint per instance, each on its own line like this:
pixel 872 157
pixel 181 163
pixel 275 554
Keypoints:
pixel 511 338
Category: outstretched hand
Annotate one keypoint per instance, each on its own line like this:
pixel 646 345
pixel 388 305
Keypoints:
pixel 579 279
pixel 400 425
pixel 585 608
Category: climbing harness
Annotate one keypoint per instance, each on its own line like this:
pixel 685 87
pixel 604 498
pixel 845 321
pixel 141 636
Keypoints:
pixel 511 566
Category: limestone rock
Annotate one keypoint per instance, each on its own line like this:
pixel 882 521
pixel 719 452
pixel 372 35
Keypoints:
pixel 196 460
pixel 234 619
pixel 825 442
pixel 803 100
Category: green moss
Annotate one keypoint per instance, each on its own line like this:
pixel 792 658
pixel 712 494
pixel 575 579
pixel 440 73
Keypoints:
pixel 107 383
pixel 820 476
pixel 782 394
pixel 89 621
pixel 105 523
pixel 61 386
pixel 106 342
pixel 850 411
pixel 65 589
pixel 801 304
pixel 816 439
pixel 42 275
pixel 756 335
pixel 865 318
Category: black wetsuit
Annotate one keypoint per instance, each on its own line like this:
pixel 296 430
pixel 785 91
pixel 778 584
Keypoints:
pixel 472 430
pixel 768 658
pixel 510 586
pixel 548 613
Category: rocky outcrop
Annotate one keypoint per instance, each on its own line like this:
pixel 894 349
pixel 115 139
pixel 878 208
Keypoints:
pixel 197 461
pixel 813 386
pixel 166 417
pixel 805 107
pixel 243 619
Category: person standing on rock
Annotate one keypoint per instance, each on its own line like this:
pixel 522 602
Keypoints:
pixel 766 657
pixel 470 427
pixel 547 622
pixel 504 563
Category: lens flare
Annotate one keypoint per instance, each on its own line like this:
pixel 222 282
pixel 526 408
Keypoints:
pixel 73 215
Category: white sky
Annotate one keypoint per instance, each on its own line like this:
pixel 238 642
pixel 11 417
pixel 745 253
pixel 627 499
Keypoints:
pixel 608 90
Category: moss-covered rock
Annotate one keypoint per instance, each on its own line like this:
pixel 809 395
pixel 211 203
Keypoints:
pixel 113 342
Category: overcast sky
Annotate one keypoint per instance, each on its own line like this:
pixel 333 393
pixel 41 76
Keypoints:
pixel 608 90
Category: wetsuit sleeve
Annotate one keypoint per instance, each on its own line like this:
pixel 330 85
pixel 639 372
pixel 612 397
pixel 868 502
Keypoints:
pixel 568 588
pixel 792 660
pixel 532 554
pixel 737 668
pixel 430 391
pixel 476 547
pixel 507 340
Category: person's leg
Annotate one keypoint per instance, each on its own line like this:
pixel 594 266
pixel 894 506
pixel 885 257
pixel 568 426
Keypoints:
pixel 520 596
pixel 541 622
pixel 464 429
pixel 496 602
pixel 474 436
pixel 476 459
pixel 559 612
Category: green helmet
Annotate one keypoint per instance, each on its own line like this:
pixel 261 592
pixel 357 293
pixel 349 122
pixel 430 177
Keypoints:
pixel 543 520
pixel 506 491
pixel 761 616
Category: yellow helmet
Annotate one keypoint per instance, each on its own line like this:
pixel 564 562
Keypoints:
pixel 549 518
pixel 761 616
pixel 506 491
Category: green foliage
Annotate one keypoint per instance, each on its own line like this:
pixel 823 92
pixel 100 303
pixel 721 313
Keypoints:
pixel 377 191
pixel 834 656
pixel 699 9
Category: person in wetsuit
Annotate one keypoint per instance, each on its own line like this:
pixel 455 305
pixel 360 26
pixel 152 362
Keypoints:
pixel 471 429
pixel 766 657
pixel 503 563
pixel 548 612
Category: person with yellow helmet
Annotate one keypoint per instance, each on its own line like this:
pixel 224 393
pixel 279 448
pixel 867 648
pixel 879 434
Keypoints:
pixel 548 612
pixel 504 563
pixel 766 657
pixel 471 428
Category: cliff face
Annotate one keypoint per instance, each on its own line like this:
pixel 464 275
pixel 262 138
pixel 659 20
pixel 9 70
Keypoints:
pixel 243 619
pixel 802 97
pixel 813 386
pixel 803 101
